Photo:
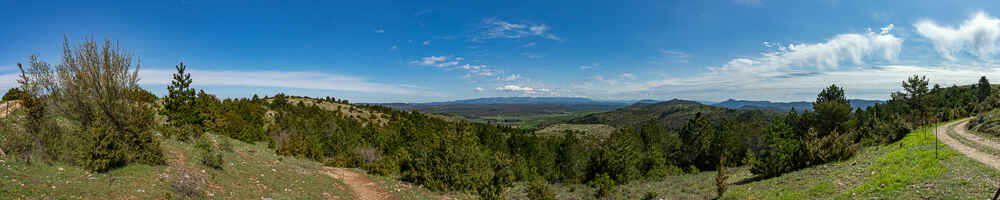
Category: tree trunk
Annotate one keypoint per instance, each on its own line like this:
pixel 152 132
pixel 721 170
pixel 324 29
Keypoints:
pixel 720 178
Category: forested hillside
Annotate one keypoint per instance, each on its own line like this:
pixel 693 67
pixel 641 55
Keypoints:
pixel 672 114
pixel 788 106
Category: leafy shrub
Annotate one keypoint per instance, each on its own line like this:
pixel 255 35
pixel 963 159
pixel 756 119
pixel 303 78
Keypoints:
pixel 780 155
pixel 618 157
pixel 663 171
pixel 539 190
pixel 98 90
pixel 604 184
pixel 212 159
pixel 102 152
pixel 226 144
pixel 833 147
pixel 650 196
pixel 13 94
pixel 693 170
pixel 188 132
pixel 503 175
pixel 210 156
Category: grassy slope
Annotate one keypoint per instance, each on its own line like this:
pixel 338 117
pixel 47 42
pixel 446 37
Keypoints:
pixel 251 171
pixel 599 130
pixel 903 170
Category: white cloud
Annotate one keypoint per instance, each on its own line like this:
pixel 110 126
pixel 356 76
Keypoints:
pixel 514 88
pixel 495 28
pixel 393 48
pixel 8 80
pixel 379 31
pixel 530 44
pixel 977 36
pixel 480 89
pixel 282 79
pixel 426 42
pixel 523 89
pixel 585 67
pixel 430 61
pixel 818 56
pixel 628 76
pixel 787 72
pixel 437 61
pixel 512 77
pixel 453 63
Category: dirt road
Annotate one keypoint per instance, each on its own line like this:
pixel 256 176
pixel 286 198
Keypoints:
pixel 363 187
pixel 959 130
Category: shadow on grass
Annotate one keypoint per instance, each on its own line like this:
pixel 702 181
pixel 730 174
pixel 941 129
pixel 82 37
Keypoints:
pixel 750 180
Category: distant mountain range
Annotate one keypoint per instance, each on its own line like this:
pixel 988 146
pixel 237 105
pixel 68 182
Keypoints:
pixel 523 100
pixel 787 106
pixel 529 100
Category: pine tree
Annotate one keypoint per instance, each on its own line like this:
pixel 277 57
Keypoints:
pixel 983 89
pixel 832 109
pixel 179 106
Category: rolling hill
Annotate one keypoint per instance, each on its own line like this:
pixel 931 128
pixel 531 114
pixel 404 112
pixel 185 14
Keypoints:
pixel 515 111
pixel 673 114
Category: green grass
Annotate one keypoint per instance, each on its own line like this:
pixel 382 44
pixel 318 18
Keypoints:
pixel 906 169
pixel 251 171
pixel 597 130
pixel 529 120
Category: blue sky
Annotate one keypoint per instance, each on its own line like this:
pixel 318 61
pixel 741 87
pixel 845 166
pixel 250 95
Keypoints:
pixel 390 51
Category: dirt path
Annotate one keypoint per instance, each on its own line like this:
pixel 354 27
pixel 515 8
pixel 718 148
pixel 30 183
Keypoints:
pixel 959 129
pixel 363 187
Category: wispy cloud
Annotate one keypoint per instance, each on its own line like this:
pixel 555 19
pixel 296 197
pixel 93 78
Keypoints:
pixel 532 55
pixel 379 31
pixel 675 56
pixel 426 42
pixel 521 89
pixel 8 80
pixel 492 28
pixel 628 76
pixel 437 61
pixel 590 66
pixel 512 77
pixel 977 36
pixel 455 63
pixel 282 79
pixel 480 89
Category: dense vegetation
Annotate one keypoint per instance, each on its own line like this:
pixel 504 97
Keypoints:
pixel 89 111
